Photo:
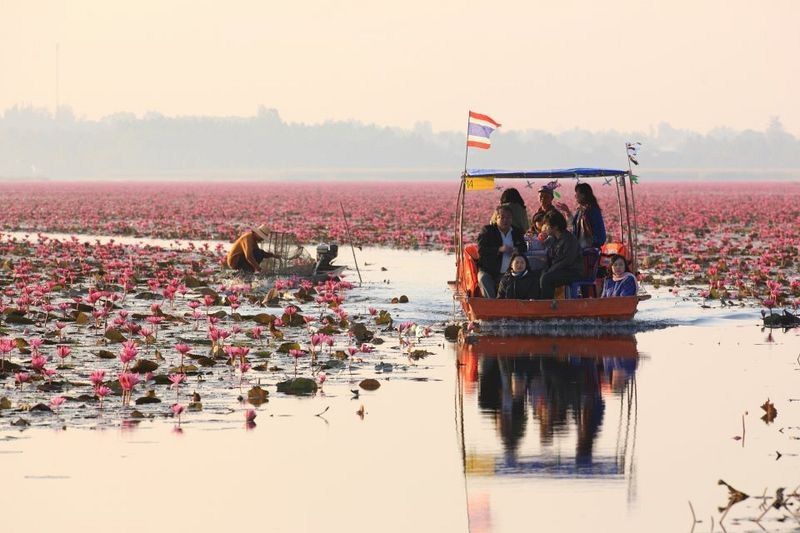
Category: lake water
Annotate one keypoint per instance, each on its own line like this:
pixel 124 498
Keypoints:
pixel 546 432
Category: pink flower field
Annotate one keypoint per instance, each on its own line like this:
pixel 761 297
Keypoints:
pixel 86 323
pixel 738 239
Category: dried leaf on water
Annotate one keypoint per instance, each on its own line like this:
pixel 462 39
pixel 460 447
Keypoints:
pixel 770 412
pixel 5 403
pixel 105 354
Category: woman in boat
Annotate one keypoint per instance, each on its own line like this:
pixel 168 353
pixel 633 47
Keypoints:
pixel 519 213
pixel 565 259
pixel 587 221
pixel 245 255
pixel 621 282
pixel 519 281
pixel 496 243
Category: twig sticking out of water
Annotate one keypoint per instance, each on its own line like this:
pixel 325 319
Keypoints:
pixel 695 521
pixel 323 411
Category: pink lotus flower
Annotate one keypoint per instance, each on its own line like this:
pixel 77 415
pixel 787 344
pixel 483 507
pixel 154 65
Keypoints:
pixel 250 415
pixel 57 401
pixel 97 377
pixel 21 377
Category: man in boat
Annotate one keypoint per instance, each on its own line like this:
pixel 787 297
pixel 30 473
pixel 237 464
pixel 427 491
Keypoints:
pixel 565 258
pixel 245 255
pixel 545 204
pixel 496 243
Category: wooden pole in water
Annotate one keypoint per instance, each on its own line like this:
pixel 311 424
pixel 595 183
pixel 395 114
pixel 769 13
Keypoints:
pixel 352 248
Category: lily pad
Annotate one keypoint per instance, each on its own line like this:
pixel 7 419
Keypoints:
pixel 370 384
pixel 332 363
pixel 419 354
pixel 148 398
pixel 114 335
pixel 20 422
pixel 384 367
pixel 257 396
pixel 298 386
pixel 105 354
pixel 384 318
pixel 361 333
pixel 451 332
pixel 287 346
pixel 143 366
pixel 5 403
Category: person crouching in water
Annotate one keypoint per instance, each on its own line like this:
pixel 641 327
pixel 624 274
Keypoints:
pixel 621 282
pixel 565 258
pixel 496 243
pixel 519 281
pixel 245 255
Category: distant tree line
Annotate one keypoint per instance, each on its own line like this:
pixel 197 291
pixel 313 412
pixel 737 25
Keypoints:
pixel 35 143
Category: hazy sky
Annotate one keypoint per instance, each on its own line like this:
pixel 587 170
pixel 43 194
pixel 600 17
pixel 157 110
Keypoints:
pixel 544 64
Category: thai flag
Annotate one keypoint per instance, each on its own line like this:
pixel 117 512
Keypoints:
pixel 479 129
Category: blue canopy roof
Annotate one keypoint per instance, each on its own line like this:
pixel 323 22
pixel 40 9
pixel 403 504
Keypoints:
pixel 552 174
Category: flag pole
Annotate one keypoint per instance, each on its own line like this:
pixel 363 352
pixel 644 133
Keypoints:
pixel 466 145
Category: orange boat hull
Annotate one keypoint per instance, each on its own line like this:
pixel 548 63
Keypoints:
pixel 621 308
pixel 605 346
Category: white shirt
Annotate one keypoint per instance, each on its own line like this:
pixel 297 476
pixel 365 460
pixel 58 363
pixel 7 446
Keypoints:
pixel 508 242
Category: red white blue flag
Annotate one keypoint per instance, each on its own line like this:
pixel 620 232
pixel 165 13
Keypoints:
pixel 479 129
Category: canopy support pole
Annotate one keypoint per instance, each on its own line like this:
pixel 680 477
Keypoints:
pixel 635 222
pixel 619 203
pixel 634 265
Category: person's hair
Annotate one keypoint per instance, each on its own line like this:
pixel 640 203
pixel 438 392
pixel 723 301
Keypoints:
pixel 503 207
pixel 523 256
pixel 512 196
pixel 588 193
pixel 614 260
pixel 556 219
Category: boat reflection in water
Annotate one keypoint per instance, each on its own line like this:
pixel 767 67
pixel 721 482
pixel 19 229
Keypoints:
pixel 537 408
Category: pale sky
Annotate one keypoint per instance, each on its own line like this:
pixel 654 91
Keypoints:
pixel 543 64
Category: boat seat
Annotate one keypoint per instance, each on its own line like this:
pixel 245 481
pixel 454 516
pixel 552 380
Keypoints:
pixel 591 261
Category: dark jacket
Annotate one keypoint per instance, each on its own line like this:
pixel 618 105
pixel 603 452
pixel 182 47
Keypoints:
pixel 517 287
pixel 565 254
pixel 489 242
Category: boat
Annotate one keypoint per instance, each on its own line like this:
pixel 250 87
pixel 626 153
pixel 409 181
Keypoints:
pixel 477 308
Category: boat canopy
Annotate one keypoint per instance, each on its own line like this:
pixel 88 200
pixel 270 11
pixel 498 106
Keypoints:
pixel 552 174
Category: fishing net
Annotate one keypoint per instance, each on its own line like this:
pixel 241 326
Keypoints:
pixel 293 258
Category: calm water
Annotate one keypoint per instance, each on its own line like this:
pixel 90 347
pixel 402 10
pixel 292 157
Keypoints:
pixel 610 433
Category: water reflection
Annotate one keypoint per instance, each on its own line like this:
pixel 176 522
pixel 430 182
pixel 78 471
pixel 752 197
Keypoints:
pixel 533 408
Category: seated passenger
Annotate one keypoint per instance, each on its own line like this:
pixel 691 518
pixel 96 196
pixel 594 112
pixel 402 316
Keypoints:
pixel 565 258
pixel 519 213
pixel 587 222
pixel 496 243
pixel 519 281
pixel 245 255
pixel 621 282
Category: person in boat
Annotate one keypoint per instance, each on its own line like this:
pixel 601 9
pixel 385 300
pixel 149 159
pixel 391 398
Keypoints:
pixel 519 213
pixel 245 255
pixel 546 194
pixel 565 258
pixel 519 281
pixel 496 243
pixel 621 282
pixel 587 221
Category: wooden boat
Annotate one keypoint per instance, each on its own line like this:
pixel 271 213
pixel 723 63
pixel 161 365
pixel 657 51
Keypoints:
pixel 478 308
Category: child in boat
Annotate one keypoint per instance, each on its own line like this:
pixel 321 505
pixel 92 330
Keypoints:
pixel 519 281
pixel 621 282
pixel 245 255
